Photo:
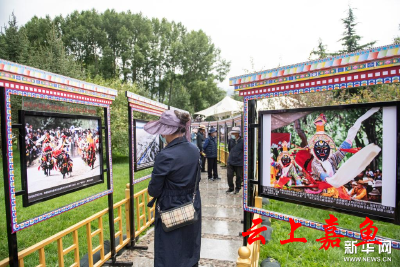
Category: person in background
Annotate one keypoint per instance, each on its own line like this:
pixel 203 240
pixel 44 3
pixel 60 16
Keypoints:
pixel 353 185
pixel 378 175
pixel 359 192
pixel 235 160
pixel 210 148
pixel 374 195
pixel 194 136
pixel 200 139
pixel 172 184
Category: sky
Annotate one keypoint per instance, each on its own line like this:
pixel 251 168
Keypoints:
pixel 267 33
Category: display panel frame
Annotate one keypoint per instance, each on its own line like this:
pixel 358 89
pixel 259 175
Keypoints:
pixel 24 177
pixel 393 219
pixel 145 165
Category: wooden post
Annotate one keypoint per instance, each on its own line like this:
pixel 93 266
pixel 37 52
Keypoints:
pixel 244 257
pixel 128 211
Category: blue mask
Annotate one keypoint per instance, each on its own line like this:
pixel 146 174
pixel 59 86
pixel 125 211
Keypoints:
pixel 163 139
pixel 233 136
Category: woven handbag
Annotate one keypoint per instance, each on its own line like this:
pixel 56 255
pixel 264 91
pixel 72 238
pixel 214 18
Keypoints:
pixel 182 215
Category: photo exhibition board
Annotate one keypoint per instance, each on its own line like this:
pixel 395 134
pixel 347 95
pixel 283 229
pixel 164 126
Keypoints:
pixel 147 146
pixel 24 81
pixel 343 158
pixel 63 154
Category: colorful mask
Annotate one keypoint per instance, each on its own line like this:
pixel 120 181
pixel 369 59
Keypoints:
pixel 322 150
pixel 286 160
pixel 321 144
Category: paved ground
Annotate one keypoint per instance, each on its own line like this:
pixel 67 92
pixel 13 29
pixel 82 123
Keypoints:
pixel 221 224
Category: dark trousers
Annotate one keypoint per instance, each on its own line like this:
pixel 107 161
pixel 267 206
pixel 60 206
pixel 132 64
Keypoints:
pixel 212 167
pixel 238 170
pixel 203 163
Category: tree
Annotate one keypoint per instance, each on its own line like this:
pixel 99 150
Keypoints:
pixel 158 56
pixel 14 45
pixel 11 39
pixel 396 40
pixel 350 38
pixel 37 30
pixel 320 52
pixel 52 57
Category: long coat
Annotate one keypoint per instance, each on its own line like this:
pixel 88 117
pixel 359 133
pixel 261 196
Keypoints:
pixel 200 138
pixel 172 183
pixel 210 147
pixel 236 152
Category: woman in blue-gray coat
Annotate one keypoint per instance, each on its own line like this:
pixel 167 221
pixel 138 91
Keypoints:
pixel 172 183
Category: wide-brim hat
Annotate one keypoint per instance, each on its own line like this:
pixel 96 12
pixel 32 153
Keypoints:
pixel 168 124
pixel 375 192
pixel 203 127
pixel 378 183
pixel 235 130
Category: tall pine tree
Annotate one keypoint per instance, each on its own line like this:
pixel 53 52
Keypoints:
pixel 319 53
pixel 350 38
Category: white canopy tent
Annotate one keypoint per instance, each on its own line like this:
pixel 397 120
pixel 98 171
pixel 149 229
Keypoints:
pixel 226 107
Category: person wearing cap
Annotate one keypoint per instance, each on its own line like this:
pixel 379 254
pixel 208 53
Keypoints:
pixel 210 148
pixel 353 185
pixel 374 195
pixel 235 160
pixel 172 184
pixel 201 138
pixel 359 192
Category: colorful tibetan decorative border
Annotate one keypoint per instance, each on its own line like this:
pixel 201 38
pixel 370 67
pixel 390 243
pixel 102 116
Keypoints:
pixel 324 73
pixel 26 74
pixel 143 101
pixel 338 61
pixel 44 94
pixel 142 179
pixel 51 92
pixel 31 81
pixel 145 110
pixel 342 82
pixel 284 217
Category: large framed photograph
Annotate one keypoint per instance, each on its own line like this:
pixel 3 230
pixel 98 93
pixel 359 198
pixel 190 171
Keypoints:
pixel 343 157
pixel 61 153
pixel 147 146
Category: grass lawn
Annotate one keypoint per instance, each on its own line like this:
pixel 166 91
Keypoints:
pixel 309 254
pixel 38 232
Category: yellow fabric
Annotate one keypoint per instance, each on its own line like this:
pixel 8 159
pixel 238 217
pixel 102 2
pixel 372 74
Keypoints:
pixel 360 193
pixel 89 139
pixel 274 171
pixel 331 192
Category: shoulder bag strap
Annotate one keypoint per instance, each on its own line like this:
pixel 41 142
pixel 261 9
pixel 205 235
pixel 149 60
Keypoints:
pixel 198 174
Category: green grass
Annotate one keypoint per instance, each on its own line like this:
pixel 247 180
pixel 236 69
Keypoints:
pixel 38 232
pixel 309 254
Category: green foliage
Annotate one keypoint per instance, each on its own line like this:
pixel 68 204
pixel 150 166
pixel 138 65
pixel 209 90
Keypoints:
pixel 309 254
pixel 155 58
pixel 350 38
pixel 320 52
pixel 53 57
pixel 41 231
